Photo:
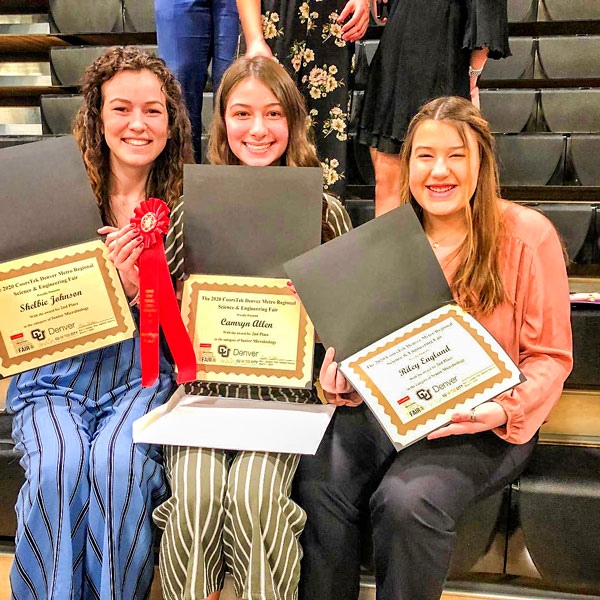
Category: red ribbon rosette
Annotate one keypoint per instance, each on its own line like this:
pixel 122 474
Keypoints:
pixel 158 304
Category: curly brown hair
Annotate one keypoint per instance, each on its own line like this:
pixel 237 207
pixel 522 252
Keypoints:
pixel 477 283
pixel 166 177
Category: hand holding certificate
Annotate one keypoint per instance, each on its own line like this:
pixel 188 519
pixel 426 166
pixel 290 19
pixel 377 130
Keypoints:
pixel 248 330
pixel 413 356
pixel 245 323
pixel 56 303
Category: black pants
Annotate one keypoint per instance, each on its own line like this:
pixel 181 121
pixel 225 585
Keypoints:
pixel 414 497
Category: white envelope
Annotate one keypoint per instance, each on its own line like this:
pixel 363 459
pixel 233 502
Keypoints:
pixel 233 424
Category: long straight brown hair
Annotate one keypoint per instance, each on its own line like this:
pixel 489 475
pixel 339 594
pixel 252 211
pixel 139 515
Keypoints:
pixel 477 282
pixel 300 151
pixel 166 176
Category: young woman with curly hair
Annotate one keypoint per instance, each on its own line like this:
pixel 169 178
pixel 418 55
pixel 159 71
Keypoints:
pixel 84 511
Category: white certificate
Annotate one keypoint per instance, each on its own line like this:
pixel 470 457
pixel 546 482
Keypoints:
pixel 415 378
pixel 235 424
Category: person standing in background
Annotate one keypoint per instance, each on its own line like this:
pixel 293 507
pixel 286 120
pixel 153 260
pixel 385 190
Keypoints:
pixel 190 34
pixel 429 48
pixel 313 39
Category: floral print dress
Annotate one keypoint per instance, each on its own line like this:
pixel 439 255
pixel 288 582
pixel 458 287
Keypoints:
pixel 307 39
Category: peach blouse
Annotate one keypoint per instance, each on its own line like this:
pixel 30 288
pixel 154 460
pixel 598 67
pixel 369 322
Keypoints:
pixel 533 325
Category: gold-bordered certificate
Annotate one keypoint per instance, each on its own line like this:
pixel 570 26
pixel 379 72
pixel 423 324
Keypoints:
pixel 58 304
pixel 416 377
pixel 250 330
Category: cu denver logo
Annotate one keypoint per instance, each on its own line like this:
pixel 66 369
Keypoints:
pixel 38 334
pixel 223 350
pixel 424 394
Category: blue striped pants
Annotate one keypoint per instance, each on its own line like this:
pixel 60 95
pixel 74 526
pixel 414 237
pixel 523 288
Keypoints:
pixel 84 513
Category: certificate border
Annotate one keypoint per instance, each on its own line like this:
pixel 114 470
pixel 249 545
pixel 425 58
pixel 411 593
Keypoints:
pixel 303 371
pixel 122 326
pixel 430 415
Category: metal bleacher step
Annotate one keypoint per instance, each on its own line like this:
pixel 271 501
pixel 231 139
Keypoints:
pixel 26 34
pixel 24 24
pixel 27 74
pixel 20 120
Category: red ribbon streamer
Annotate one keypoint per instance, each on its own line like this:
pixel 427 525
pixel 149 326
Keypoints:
pixel 158 304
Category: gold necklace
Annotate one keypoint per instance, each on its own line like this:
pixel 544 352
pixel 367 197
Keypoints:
pixel 435 244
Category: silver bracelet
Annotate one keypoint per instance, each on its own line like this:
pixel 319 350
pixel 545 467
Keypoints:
pixel 475 72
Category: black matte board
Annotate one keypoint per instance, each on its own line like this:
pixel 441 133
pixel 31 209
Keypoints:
pixel 250 220
pixel 46 199
pixel 369 282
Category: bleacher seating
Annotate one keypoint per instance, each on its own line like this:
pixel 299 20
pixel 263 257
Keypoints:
pixel 545 527
pixel 138 15
pixel 67 64
pixel 568 57
pixel 585 150
pixel 530 160
pixel 572 220
pixel 517 66
pixel 571 110
pixel 558 504
pixel 19 120
pixel 508 111
pixel 86 16
pixel 568 10
pixel 58 112
pixel 522 10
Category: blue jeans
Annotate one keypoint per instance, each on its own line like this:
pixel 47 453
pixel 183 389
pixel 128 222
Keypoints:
pixel 190 34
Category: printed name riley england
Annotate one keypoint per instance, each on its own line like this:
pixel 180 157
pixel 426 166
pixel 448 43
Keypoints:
pixel 424 360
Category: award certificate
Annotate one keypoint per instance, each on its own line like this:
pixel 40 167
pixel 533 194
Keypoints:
pixel 415 378
pixel 250 330
pixel 58 304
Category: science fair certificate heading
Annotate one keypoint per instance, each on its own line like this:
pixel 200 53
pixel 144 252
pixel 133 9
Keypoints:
pixel 250 330
pixel 379 297
pixel 58 304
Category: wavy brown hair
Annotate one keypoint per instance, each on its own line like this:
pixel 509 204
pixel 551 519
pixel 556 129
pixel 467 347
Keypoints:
pixel 477 283
pixel 300 151
pixel 165 180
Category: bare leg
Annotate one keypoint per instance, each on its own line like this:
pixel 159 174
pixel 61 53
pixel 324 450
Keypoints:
pixel 387 181
pixel 214 596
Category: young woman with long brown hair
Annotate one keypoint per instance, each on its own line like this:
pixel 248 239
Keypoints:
pixel 84 512
pixel 232 511
pixel 505 265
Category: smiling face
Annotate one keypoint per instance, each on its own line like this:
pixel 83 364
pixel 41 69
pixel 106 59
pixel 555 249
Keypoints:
pixel 443 172
pixel 134 118
pixel 257 128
